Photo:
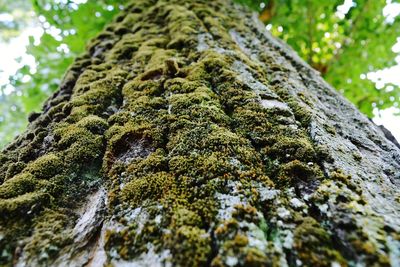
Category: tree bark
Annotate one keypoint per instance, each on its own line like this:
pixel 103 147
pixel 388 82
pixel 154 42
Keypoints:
pixel 187 135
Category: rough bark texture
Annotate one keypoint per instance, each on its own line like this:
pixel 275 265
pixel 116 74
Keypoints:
pixel 188 136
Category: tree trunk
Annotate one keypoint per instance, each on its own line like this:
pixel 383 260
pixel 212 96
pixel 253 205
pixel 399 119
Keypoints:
pixel 187 135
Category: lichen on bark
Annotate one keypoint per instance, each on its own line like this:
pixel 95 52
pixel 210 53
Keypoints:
pixel 188 136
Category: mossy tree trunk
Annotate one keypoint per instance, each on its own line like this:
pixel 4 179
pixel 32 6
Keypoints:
pixel 188 136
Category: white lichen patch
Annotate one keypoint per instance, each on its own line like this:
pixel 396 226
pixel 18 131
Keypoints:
pixel 139 216
pixel 227 205
pixel 265 192
pixel 203 40
pixel 394 250
pixel 287 239
pixel 151 258
pixel 272 103
pixel 236 163
pixel 296 203
pixel 231 261
pixel 278 247
pixel 229 201
pixel 158 219
pixel 324 209
pixel 283 213
pixel 255 236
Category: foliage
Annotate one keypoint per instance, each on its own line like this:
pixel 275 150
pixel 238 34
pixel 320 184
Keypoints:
pixel 342 41
pixel 15 16
pixel 67 27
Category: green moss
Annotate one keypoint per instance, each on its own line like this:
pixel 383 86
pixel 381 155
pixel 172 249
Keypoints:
pixel 330 129
pixel 171 68
pixel 237 246
pixel 294 171
pixel 120 118
pixel 97 97
pixel 82 141
pixel 94 124
pixel 68 134
pixel 183 26
pixel 301 113
pixel 205 167
pixel 209 139
pixel 162 58
pixel 210 65
pixel 183 216
pixel 252 124
pixel 314 245
pixel 286 148
pixel 84 153
pixel 135 239
pixel 190 245
pixel 150 187
pixel 357 156
pixel 157 161
pixel 226 227
pixel 50 236
pixel 45 166
pixel 198 106
pixel 306 98
pixel 24 205
pixel 181 85
pixel 247 213
pixel 345 179
pixel 86 78
pixel 362 242
pixel 256 258
pixel 138 88
pixel 148 47
pixel 18 185
pixel 125 47
pixel 145 105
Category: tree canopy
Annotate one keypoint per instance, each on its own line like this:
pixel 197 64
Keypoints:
pixel 344 40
